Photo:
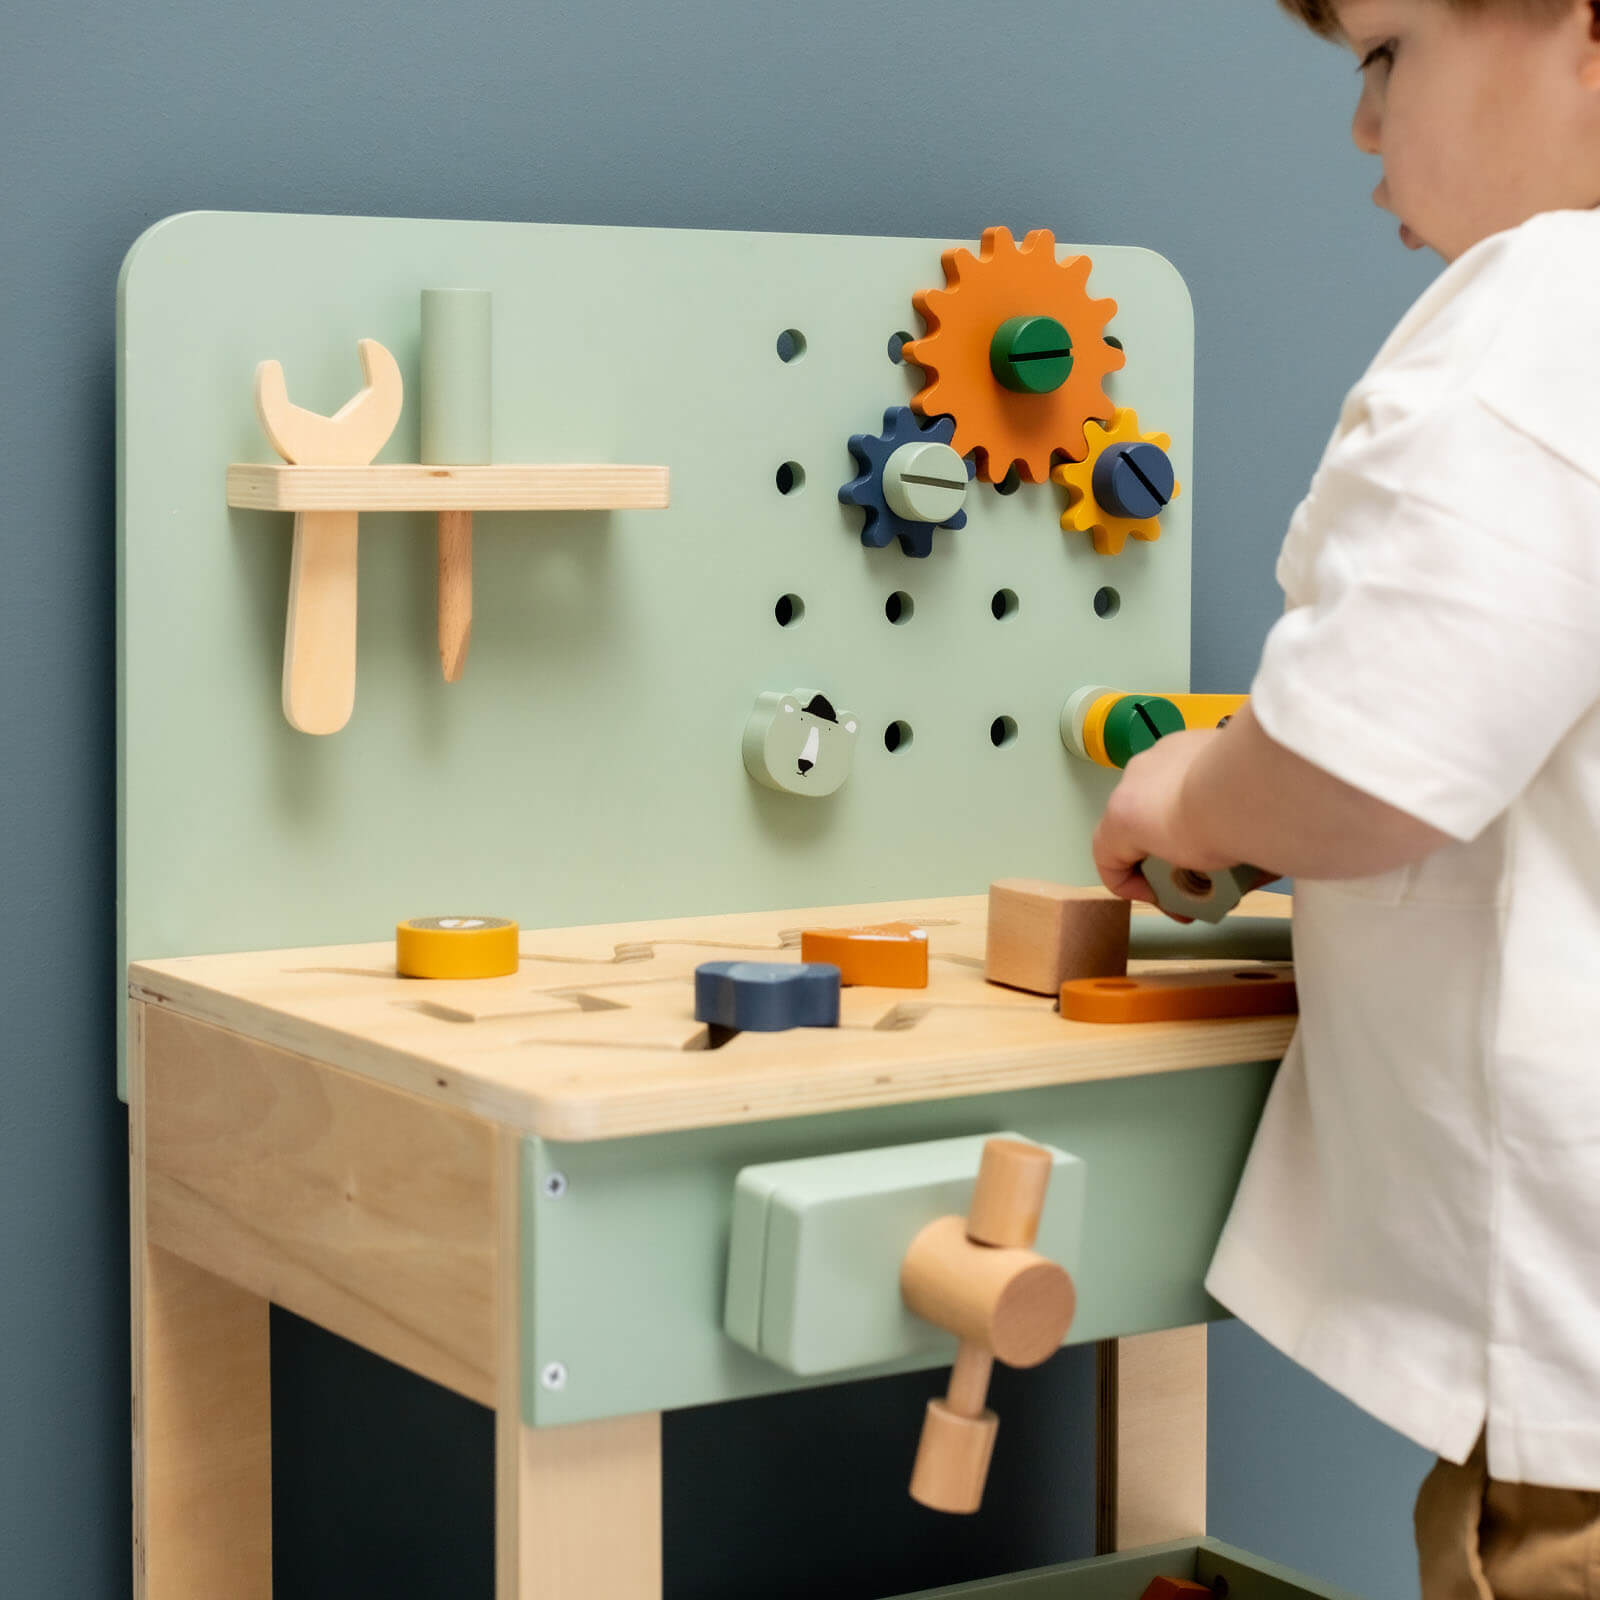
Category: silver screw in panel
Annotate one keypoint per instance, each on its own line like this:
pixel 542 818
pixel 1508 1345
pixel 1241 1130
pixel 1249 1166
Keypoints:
pixel 555 1185
pixel 554 1376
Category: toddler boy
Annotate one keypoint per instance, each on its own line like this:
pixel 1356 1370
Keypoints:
pixel 1419 1220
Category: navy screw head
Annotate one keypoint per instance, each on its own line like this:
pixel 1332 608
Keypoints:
pixel 1133 480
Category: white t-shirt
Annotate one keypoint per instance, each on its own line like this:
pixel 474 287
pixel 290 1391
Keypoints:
pixel 1419 1220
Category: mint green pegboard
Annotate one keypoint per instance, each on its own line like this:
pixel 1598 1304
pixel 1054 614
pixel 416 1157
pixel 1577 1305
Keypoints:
pixel 587 768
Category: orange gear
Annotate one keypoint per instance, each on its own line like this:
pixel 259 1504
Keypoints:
pixel 1085 514
pixel 1005 280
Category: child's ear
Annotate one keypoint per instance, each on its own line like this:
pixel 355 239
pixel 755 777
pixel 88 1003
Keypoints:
pixel 1589 70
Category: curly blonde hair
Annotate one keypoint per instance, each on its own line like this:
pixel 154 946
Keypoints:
pixel 1321 17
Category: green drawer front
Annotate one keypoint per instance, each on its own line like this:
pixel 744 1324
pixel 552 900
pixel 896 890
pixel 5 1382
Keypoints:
pixel 625 1241
pixel 1232 1575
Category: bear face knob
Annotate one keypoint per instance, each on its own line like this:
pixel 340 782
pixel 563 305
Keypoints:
pixel 798 744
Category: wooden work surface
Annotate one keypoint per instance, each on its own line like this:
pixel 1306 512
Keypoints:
pixel 595 1036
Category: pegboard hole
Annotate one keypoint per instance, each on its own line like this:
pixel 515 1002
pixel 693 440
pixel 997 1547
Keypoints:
pixel 789 610
pixel 1003 731
pixel 791 478
pixel 791 345
pixel 897 346
pixel 1004 604
pixel 1107 602
pixel 899 607
pixel 1011 482
pixel 897 736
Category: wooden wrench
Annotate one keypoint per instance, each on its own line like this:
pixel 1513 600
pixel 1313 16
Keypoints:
pixel 319 644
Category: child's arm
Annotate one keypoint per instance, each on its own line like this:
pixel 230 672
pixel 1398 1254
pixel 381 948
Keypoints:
pixel 1252 799
pixel 1208 799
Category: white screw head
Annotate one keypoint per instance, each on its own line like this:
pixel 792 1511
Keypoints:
pixel 925 481
pixel 554 1376
pixel 555 1185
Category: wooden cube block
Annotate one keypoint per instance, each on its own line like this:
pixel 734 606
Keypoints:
pixel 1041 934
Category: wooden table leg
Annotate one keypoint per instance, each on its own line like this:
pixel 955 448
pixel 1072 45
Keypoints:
pixel 578 1508
pixel 1152 1439
pixel 202 1416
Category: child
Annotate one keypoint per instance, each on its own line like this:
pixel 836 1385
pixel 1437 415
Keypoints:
pixel 1419 1220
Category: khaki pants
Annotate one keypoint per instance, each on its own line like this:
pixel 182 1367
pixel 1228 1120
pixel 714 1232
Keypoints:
pixel 1480 1539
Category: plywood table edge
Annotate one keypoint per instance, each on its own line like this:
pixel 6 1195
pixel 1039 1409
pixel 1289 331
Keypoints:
pixel 864 1088
pixel 413 1076
pixel 631 1112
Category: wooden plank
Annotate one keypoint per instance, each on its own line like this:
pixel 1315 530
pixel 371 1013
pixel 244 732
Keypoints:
pixel 202 1414
pixel 534 486
pixel 578 1508
pixel 501 1055
pixel 1151 1443
pixel 366 1210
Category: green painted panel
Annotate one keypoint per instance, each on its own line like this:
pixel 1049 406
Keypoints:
pixel 1116 1577
pixel 625 1261
pixel 587 766
pixel 1125 1575
pixel 1246 1577
pixel 828 1234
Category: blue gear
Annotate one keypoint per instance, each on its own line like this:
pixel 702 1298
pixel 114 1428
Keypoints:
pixel 901 425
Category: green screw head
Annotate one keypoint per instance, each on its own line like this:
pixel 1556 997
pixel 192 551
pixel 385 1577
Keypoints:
pixel 1031 355
pixel 1135 722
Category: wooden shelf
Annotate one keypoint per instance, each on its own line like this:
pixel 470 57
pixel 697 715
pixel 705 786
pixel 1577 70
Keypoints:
pixel 413 487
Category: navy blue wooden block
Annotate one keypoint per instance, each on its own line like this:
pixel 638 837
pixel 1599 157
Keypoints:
pixel 767 996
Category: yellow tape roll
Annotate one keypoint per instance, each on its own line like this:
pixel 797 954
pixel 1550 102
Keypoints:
pixel 455 947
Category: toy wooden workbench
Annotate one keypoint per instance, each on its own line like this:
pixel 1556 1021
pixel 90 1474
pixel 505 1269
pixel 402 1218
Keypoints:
pixel 566 1191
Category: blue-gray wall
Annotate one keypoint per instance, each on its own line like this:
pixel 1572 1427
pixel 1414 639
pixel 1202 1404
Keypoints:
pixel 1215 133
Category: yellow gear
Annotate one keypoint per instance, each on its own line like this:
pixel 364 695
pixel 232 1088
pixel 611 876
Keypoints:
pixel 982 292
pixel 1085 514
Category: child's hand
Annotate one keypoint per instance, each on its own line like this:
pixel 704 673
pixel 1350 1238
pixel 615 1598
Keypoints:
pixel 1144 817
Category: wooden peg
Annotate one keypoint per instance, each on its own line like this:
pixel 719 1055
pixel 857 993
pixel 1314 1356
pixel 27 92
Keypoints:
pixel 977 1277
pixel 455 592
pixel 1008 1199
pixel 457 405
